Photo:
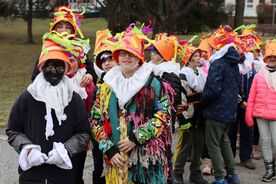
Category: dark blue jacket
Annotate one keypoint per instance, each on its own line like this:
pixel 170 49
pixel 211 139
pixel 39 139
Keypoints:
pixel 220 95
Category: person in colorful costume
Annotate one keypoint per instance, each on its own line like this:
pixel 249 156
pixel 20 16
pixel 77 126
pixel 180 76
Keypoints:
pixel 191 131
pixel 261 105
pixel 131 116
pixel 163 56
pixel 104 61
pixel 48 124
pixel 220 99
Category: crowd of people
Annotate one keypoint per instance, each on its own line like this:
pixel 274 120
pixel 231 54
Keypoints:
pixel 219 96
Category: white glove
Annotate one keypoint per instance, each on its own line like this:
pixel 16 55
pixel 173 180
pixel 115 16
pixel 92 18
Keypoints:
pixel 31 156
pixel 59 156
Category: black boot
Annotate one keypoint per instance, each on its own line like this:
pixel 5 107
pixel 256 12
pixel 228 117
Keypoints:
pixel 197 178
pixel 270 172
pixel 178 178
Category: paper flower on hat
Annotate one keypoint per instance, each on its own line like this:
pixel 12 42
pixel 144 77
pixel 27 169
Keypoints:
pixel 166 46
pixel 270 49
pixel 66 14
pixel 133 40
pixel 224 35
pixel 74 47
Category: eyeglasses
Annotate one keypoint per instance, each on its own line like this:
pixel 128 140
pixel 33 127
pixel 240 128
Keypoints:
pixel 154 51
pixel 58 69
pixel 123 53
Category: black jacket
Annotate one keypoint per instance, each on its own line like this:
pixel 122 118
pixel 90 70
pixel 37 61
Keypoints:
pixel 27 125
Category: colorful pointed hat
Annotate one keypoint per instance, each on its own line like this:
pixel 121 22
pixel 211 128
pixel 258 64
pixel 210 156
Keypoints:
pixel 101 45
pixel 204 46
pixel 134 41
pixel 224 35
pixel 51 50
pixel 249 31
pixel 166 45
pixel 270 49
pixel 250 44
pixel 72 47
pixel 66 14
pixel 186 50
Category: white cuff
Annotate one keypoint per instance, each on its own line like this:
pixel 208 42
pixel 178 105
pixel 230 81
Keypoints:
pixel 67 164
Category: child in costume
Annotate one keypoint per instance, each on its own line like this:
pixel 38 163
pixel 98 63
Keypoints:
pixel 261 105
pixel 48 124
pixel 163 56
pixel 219 101
pixel 131 116
pixel 104 61
pixel 191 130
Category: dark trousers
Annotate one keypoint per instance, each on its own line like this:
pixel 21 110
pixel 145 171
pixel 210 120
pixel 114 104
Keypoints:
pixel 98 163
pixel 191 145
pixel 246 136
pixel 79 161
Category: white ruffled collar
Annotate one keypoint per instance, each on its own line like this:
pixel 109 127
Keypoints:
pixel 126 88
pixel 170 67
pixel 55 97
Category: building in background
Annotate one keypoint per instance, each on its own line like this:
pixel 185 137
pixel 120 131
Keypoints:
pixel 250 9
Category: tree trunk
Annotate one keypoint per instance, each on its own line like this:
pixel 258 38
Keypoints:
pixel 30 22
pixel 239 11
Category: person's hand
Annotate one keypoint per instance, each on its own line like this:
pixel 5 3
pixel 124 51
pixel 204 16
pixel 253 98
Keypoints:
pixel 36 158
pixel 86 80
pixel 31 156
pixel 118 161
pixel 243 105
pixel 126 145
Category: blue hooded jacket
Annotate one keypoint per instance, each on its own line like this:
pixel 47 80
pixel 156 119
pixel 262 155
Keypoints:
pixel 220 95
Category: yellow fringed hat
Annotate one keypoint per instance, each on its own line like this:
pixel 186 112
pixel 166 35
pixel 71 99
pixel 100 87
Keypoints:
pixel 66 14
pixel 101 46
pixel 270 49
pixel 166 45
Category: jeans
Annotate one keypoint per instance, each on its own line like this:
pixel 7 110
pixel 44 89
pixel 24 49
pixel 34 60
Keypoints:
pixel 267 131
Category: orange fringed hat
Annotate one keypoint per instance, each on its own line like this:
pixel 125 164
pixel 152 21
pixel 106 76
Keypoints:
pixel 222 36
pixel 51 50
pixel 166 45
pixel 132 40
pixel 186 50
pixel 204 46
pixel 102 37
pixel 66 14
pixel 270 49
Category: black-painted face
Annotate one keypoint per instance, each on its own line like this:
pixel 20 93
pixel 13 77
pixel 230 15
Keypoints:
pixel 53 71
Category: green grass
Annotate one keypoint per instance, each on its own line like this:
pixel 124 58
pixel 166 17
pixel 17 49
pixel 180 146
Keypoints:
pixel 17 58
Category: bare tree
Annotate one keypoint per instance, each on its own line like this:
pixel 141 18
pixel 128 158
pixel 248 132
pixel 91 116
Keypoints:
pixel 239 11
